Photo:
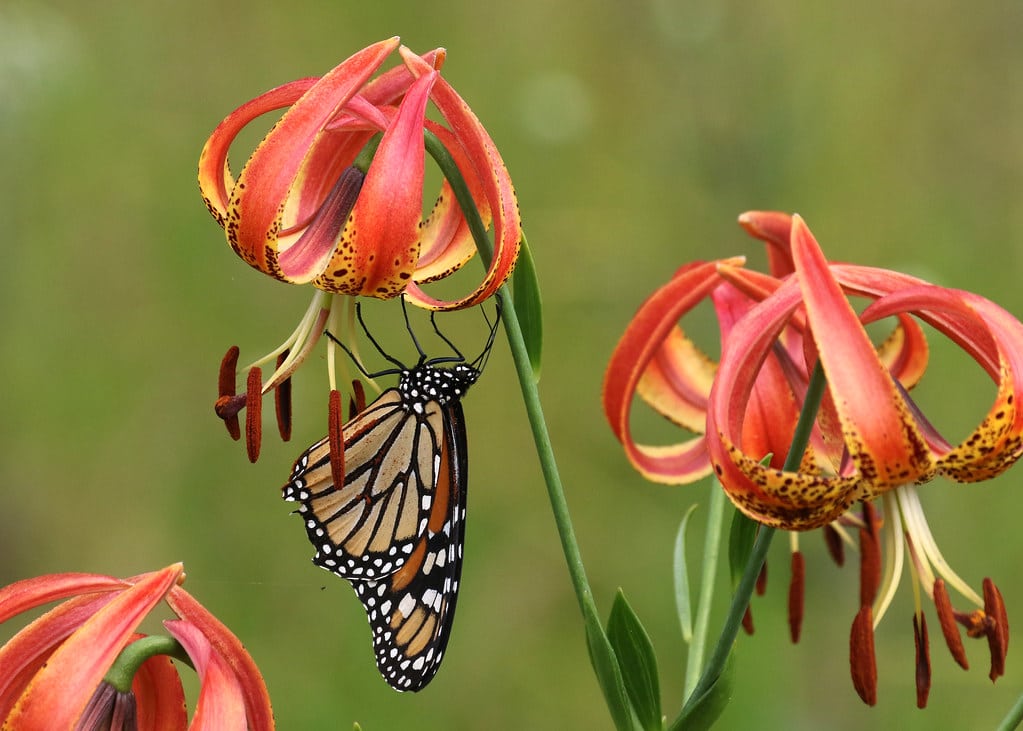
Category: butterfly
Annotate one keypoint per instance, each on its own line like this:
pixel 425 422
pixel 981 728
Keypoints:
pixel 395 529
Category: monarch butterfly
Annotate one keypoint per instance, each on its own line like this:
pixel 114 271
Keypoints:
pixel 395 528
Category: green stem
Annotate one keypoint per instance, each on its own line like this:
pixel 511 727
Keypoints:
pixel 1013 718
pixel 133 655
pixel 743 592
pixel 527 382
pixel 711 549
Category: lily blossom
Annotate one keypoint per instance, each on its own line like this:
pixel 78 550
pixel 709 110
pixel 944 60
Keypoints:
pixel 333 197
pixel 56 671
pixel 870 441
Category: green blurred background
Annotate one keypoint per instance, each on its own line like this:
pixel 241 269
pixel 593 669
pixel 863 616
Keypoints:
pixel 635 133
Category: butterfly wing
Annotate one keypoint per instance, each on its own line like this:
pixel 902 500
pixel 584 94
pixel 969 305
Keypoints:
pixel 370 527
pixel 411 611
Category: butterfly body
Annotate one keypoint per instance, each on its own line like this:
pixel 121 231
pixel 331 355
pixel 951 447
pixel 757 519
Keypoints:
pixel 395 528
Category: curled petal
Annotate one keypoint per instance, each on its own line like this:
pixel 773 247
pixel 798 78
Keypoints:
pixel 640 343
pixel 229 647
pixel 59 692
pixel 221 704
pixel 160 699
pixel 254 211
pixel 496 183
pixel 882 438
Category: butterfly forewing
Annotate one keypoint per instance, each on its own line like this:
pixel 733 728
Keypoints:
pixel 395 528
pixel 369 527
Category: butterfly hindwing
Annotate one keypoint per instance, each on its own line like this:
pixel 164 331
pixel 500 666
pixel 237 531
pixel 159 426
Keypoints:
pixel 410 611
pixel 396 526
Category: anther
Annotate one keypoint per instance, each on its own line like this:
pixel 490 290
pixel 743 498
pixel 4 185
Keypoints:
pixel 336 439
pixel 797 588
pixel 946 616
pixel 254 413
pixel 862 661
pixel 923 659
pixel 833 540
pixel 226 393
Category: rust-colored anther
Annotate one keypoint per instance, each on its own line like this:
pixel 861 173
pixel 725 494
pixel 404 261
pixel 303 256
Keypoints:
pixel 357 404
pixel 761 585
pixel 282 402
pixel 226 393
pixel 923 660
pixel 870 567
pixel 336 439
pixel 747 621
pixel 946 616
pixel 797 590
pixel 862 662
pixel 254 413
pixel 836 549
pixel 998 632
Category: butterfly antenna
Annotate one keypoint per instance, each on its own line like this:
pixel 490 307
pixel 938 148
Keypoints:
pixel 358 363
pixel 433 321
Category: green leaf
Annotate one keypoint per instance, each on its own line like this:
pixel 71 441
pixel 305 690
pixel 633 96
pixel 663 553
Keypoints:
pixel 609 675
pixel 740 545
pixel 705 710
pixel 528 306
pixel 683 601
pixel 637 662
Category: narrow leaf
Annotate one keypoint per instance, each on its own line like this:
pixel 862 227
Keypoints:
pixel 609 675
pixel 683 601
pixel 740 544
pixel 528 306
pixel 637 662
pixel 705 710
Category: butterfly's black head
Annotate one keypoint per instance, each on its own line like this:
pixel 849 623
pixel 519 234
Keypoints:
pixel 426 383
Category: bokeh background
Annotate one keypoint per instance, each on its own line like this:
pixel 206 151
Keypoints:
pixel 635 132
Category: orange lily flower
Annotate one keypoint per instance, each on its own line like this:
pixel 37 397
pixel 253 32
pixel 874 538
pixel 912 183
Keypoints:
pixel 309 207
pixel 55 670
pixel 870 440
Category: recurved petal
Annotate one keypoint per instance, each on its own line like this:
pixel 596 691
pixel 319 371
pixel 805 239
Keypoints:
pixel 58 693
pixel 642 340
pixel 882 438
pixel 257 701
pixel 677 381
pixel 379 248
pixel 221 703
pixel 215 179
pixel 29 593
pixel 496 183
pixel 257 200
pixel 159 697
pixel 25 653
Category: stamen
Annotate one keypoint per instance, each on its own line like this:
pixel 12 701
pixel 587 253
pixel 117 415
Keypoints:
pixel 357 403
pixel 747 621
pixel 998 634
pixel 862 661
pixel 946 616
pixel 336 439
pixel 254 415
pixel 923 659
pixel 797 590
pixel 282 402
pixel 870 556
pixel 833 540
pixel 226 391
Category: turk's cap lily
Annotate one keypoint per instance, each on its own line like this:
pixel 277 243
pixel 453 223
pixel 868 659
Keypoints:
pixel 872 437
pixel 870 441
pixel 303 211
pixel 55 672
